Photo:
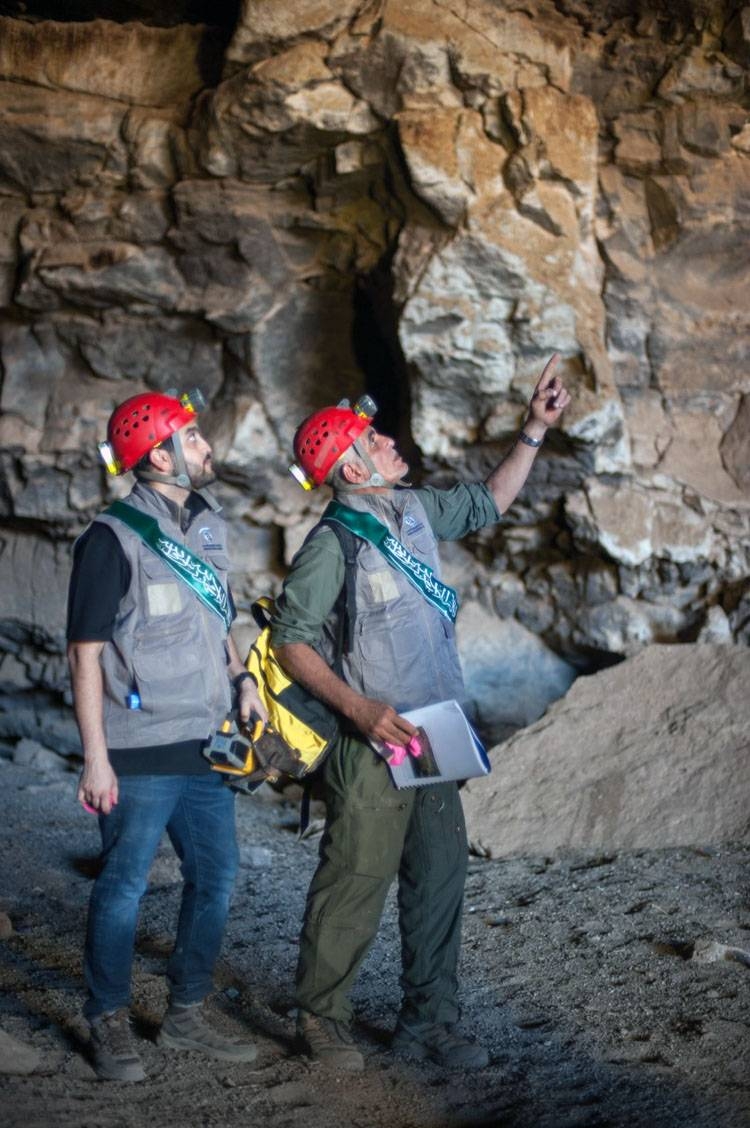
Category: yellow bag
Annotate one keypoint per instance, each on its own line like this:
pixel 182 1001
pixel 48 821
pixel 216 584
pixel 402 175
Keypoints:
pixel 306 726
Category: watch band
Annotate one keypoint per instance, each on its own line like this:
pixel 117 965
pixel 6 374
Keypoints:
pixel 238 680
pixel 527 439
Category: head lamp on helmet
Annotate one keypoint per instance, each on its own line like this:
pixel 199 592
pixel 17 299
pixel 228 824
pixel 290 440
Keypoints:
pixel 142 423
pixel 325 435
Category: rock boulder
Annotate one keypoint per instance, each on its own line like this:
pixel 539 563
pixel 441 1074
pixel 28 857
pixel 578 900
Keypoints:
pixel 652 752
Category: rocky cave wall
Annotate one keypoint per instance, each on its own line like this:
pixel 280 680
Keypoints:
pixel 422 200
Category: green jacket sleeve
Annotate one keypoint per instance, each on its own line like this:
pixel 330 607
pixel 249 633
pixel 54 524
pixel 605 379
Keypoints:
pixel 462 509
pixel 310 590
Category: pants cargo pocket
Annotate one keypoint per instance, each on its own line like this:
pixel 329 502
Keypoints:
pixel 367 817
pixel 374 837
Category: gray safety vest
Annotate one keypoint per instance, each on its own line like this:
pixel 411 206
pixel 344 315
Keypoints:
pixel 167 646
pixel 401 649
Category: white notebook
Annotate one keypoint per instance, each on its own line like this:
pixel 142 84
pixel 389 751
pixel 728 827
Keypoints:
pixel 452 750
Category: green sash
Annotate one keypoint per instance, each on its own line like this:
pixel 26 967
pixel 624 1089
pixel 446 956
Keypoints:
pixel 198 575
pixel 419 575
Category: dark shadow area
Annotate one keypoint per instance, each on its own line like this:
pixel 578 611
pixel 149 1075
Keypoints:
pixel 87 865
pixel 217 13
pixel 220 19
pixel 378 353
pixel 588 661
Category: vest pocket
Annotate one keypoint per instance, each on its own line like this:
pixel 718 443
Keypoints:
pixel 163 599
pixel 386 646
pixel 162 590
pixel 169 670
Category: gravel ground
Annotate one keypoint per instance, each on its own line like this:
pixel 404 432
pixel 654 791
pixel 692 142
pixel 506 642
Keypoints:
pixel 610 990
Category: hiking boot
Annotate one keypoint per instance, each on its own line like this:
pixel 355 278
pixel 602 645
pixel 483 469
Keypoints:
pixel 329 1042
pixel 438 1043
pixel 185 1028
pixel 115 1055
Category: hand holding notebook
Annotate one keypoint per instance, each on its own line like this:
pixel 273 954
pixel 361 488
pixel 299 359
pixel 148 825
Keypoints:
pixel 447 748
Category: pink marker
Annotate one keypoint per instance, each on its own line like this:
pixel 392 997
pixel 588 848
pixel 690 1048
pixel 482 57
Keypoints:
pixel 92 810
pixel 399 751
pixel 398 754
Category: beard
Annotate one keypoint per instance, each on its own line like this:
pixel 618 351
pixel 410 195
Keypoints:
pixel 202 475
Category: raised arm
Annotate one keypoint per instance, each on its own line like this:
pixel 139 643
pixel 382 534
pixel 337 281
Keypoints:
pixel 547 404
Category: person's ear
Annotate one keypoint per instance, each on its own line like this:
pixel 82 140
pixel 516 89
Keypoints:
pixel 161 460
pixel 354 473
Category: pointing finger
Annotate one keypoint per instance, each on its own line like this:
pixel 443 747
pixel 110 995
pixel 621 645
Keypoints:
pixel 548 373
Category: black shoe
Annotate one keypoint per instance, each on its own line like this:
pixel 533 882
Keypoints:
pixel 439 1043
pixel 185 1028
pixel 329 1042
pixel 115 1055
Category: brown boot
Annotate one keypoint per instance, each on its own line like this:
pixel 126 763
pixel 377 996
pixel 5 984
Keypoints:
pixel 329 1042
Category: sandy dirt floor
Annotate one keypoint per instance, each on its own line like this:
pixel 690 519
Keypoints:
pixel 610 990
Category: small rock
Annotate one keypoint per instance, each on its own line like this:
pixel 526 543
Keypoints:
pixel 292 1094
pixel 17 1057
pixel 6 926
pixel 257 857
pixel 711 951
pixel 716 628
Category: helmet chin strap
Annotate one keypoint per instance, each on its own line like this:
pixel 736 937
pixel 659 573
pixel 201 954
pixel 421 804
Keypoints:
pixel 181 478
pixel 375 479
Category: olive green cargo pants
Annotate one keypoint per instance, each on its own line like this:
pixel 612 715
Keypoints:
pixel 374 833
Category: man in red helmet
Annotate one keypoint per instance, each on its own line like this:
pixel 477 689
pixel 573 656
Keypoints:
pixel 400 654
pixel 153 668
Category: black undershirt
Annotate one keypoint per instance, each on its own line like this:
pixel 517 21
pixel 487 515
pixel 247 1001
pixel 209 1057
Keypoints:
pixel 100 566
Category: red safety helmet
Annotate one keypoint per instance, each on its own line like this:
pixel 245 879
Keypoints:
pixel 141 423
pixel 324 436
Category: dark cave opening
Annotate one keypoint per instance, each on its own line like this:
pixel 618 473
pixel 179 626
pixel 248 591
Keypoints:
pixel 219 17
pixel 216 13
pixel 379 355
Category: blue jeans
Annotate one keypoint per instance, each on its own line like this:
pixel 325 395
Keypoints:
pixel 198 815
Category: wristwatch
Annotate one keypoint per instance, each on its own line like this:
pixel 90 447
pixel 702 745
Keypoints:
pixel 238 680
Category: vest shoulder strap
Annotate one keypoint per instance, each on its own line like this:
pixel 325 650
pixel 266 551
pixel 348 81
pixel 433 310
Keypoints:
pixel 191 569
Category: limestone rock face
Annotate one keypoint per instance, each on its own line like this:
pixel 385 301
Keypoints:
pixel 422 200
pixel 652 752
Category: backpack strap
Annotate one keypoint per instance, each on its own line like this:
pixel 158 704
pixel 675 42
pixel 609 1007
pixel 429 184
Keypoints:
pixel 346 608
pixel 346 603
pixel 262 610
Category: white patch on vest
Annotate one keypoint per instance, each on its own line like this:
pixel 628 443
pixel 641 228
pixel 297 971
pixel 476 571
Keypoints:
pixel 206 533
pixel 163 599
pixel 383 586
